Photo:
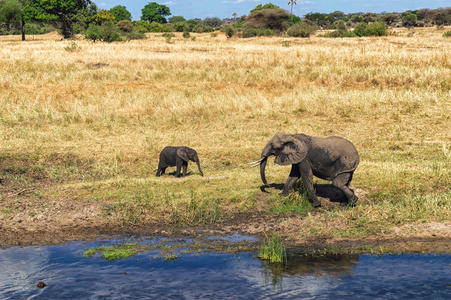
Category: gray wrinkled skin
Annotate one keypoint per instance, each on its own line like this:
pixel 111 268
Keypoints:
pixel 178 157
pixel 332 158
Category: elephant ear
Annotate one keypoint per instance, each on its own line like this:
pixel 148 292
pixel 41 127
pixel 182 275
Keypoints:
pixel 293 151
pixel 183 154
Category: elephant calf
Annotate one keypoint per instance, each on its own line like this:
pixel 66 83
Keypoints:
pixel 331 158
pixel 177 156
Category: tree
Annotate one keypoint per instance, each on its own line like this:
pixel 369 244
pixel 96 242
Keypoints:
pixel 264 6
pixel 391 19
pixel 176 19
pixel 103 16
pixel 369 18
pixel 356 18
pixel 212 22
pixel 11 12
pixel 409 20
pixel 275 19
pixel 338 14
pixel 292 2
pixel 154 12
pixel 120 13
pixel 442 16
pixel 64 12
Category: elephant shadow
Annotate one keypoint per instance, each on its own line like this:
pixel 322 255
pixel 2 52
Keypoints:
pixel 277 186
pixel 326 191
pixel 188 173
pixel 331 192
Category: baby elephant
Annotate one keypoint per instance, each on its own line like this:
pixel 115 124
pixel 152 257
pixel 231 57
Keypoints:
pixel 177 156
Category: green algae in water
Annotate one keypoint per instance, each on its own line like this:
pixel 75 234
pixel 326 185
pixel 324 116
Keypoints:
pixel 116 251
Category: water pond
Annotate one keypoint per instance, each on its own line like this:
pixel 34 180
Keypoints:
pixel 184 269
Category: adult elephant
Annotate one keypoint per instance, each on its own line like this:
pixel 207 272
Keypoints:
pixel 179 157
pixel 331 158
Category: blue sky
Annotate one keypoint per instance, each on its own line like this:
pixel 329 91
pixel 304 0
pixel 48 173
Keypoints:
pixel 225 8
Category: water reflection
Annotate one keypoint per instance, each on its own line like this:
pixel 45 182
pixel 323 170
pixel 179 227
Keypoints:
pixel 311 267
pixel 69 275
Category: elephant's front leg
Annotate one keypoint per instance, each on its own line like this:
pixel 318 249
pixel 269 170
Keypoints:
pixel 292 178
pixel 178 163
pixel 307 177
pixel 185 166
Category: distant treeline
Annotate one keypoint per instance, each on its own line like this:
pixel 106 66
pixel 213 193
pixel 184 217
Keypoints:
pixel 84 17
pixel 412 18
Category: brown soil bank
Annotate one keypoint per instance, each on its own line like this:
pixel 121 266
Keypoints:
pixel 75 221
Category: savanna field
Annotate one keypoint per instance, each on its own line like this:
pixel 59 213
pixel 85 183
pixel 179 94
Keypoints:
pixel 82 125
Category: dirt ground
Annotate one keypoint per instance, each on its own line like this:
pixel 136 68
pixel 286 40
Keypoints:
pixel 79 221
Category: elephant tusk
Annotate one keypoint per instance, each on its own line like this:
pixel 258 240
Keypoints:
pixel 255 163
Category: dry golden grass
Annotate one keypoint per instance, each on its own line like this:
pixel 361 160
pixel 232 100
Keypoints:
pixel 89 119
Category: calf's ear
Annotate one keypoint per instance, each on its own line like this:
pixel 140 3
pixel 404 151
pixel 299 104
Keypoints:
pixel 183 154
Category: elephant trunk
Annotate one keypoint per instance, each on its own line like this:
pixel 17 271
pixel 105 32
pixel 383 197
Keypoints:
pixel 264 158
pixel 262 170
pixel 198 166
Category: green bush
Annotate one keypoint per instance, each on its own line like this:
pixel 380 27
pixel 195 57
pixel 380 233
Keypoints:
pixel 268 32
pixel 374 29
pixel 340 34
pixel 109 32
pixel 229 31
pixel 377 29
pixel 134 35
pixel 202 28
pixel 93 33
pixel 155 27
pixel 36 28
pixel 361 29
pixel 447 33
pixel 253 32
pixel 301 29
pixel 181 27
pixel 106 32
pixel 125 26
pixel 141 26
pixel 186 34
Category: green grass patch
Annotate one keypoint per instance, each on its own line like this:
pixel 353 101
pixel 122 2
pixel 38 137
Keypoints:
pixel 273 249
pixel 295 202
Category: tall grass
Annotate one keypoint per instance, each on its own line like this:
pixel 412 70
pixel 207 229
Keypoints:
pixel 273 249
pixel 89 124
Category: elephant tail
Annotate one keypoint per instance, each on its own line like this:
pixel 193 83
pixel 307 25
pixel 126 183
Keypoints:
pixel 348 170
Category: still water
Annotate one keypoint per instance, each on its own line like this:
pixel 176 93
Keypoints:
pixel 211 275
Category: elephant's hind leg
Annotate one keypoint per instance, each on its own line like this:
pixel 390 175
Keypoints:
pixel 161 171
pixel 342 182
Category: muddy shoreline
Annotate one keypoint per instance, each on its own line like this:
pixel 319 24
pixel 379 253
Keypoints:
pixel 87 224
